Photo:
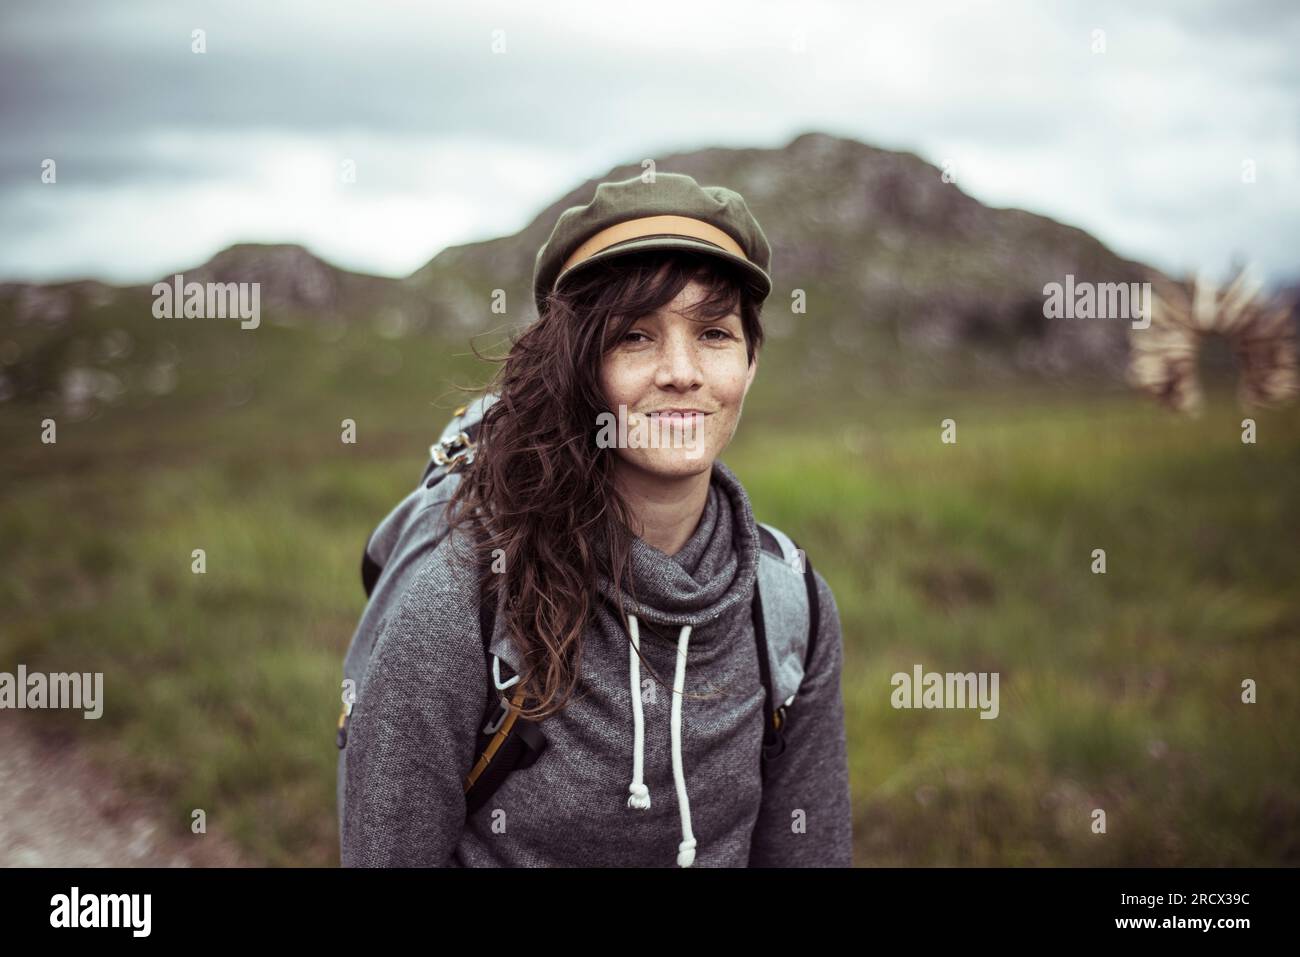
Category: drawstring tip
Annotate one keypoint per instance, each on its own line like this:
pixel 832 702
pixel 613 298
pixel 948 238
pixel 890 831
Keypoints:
pixel 686 853
pixel 640 798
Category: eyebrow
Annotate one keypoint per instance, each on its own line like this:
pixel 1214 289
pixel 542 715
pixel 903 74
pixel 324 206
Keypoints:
pixel 734 314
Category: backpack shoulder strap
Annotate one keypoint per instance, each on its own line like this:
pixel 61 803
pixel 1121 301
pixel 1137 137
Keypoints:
pixel 506 742
pixel 786 618
pixel 790 608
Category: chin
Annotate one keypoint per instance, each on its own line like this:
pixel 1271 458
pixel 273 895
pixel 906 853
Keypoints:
pixel 674 463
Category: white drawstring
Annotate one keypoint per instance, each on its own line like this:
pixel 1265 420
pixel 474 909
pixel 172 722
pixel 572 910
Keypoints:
pixel 686 851
pixel 640 798
pixel 640 793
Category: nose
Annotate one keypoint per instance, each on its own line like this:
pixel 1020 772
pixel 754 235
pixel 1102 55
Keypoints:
pixel 679 366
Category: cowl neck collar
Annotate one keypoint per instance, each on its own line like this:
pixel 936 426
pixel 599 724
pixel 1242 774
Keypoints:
pixel 712 573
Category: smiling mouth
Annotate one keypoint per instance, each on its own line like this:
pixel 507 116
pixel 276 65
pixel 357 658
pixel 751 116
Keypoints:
pixel 693 421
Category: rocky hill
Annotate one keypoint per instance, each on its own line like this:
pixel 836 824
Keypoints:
pixel 908 281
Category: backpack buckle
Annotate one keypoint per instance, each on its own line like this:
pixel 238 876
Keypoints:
pixel 448 452
pixel 778 720
pixel 492 726
pixel 774 737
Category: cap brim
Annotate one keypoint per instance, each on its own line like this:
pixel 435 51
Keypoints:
pixel 758 279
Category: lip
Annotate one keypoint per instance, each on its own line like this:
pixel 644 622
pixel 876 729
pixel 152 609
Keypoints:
pixel 681 412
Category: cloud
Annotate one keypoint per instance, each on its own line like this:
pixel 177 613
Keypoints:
pixel 165 154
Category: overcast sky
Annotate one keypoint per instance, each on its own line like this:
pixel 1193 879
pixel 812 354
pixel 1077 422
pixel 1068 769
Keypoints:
pixel 165 155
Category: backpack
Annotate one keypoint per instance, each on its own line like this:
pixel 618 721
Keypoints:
pixel 785 615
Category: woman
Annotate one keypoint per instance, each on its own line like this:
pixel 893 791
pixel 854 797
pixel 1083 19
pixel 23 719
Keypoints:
pixel 613 566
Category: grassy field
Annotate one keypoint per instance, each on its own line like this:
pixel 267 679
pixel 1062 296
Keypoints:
pixel 1118 691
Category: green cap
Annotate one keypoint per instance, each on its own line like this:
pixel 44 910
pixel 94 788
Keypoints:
pixel 672 212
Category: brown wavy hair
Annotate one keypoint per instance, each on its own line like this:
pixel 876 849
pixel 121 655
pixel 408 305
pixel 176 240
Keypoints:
pixel 539 488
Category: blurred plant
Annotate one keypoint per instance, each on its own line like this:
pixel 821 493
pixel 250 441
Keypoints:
pixel 1260 330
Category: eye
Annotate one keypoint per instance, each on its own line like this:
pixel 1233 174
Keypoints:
pixel 722 335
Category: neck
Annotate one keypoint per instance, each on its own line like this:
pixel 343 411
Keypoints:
pixel 665 512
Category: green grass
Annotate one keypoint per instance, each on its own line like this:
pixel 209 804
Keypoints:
pixel 1118 691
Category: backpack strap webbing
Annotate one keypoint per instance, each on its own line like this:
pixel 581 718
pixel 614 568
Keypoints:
pixel 513 743
pixel 779 711
pixel 773 739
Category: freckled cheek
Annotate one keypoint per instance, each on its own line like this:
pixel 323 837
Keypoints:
pixel 726 381
pixel 622 382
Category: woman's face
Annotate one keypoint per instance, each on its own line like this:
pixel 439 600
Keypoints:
pixel 666 361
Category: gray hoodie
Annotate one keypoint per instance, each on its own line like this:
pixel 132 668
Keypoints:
pixel 627 779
